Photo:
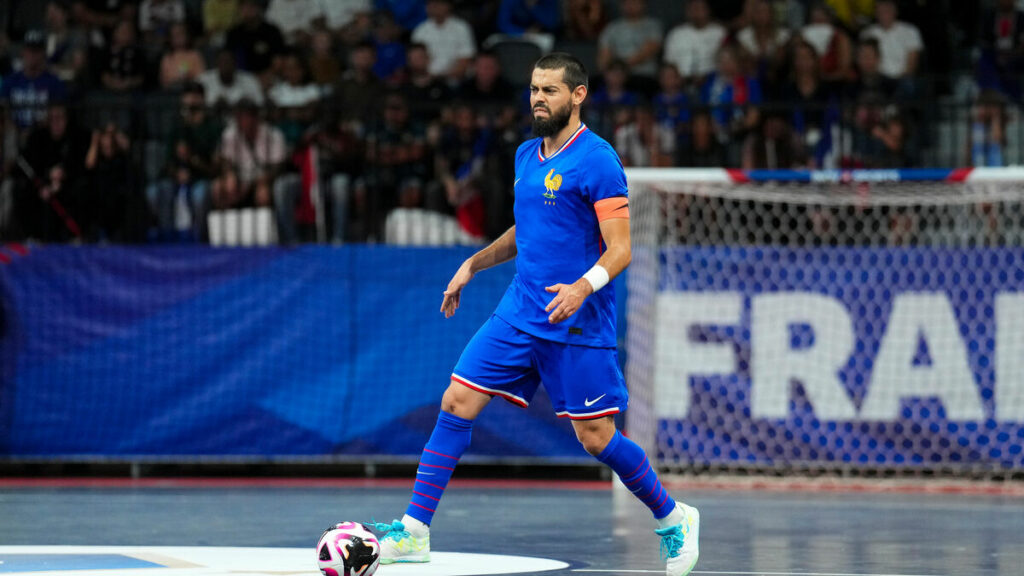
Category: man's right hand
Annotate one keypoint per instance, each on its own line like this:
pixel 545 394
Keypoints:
pixel 453 293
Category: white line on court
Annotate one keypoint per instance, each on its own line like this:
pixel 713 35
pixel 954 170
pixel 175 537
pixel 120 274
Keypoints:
pixel 730 573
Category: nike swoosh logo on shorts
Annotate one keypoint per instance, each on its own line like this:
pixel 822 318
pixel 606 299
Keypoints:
pixel 588 402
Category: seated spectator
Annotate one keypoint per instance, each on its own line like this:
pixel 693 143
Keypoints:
pixel 671 103
pixel 1002 50
pixel 872 97
pixel 219 16
pixel 733 100
pixel 536 20
pixel 419 86
pixel 773 146
pixel 341 153
pixel 394 166
pixel 644 142
pixel 486 88
pixel 464 165
pixel 295 18
pixel 156 18
pixel 181 63
pixel 812 101
pixel 254 42
pixel 889 144
pixel 634 39
pixel 703 149
pixel 28 92
pixel 987 137
pixel 323 65
pixel 251 157
pixel 114 210
pixel 181 199
pixel 67 47
pixel 900 44
pixel 225 85
pixel 357 94
pixel 350 20
pixel 100 17
pixel 408 13
pixel 692 46
pixel 584 19
pixel 124 67
pixel 763 41
pixel 48 195
pixel 449 41
pixel 833 46
pixel 611 97
pixel 387 40
pixel 295 97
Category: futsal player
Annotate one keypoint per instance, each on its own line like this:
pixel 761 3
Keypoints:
pixel 556 322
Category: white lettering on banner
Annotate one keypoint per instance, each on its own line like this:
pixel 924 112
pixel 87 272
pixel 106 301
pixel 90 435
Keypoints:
pixel 775 364
pixel 677 357
pixel 948 377
pixel 1009 390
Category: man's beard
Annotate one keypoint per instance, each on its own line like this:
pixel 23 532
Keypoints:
pixel 554 123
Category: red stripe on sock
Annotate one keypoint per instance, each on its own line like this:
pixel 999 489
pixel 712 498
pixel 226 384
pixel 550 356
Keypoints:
pixel 649 494
pixel 425 496
pixel 436 466
pixel 439 454
pixel 642 462
pixel 662 501
pixel 429 484
pixel 424 507
pixel 640 478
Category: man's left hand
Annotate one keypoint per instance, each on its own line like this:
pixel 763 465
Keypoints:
pixel 568 300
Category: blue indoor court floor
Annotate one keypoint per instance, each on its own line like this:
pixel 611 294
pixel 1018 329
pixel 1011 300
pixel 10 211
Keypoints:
pixel 219 527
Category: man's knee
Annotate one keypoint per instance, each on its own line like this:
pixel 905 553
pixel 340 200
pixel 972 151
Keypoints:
pixel 594 435
pixel 463 401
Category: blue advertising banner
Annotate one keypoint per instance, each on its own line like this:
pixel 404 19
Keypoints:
pixel 879 357
pixel 191 351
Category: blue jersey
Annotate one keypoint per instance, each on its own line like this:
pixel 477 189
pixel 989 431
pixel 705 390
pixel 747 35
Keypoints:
pixel 558 238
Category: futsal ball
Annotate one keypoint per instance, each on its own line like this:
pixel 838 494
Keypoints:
pixel 348 549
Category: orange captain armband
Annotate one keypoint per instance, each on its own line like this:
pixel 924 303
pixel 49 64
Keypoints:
pixel 617 207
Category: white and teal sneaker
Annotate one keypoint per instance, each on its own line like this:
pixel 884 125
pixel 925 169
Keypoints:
pixel 679 543
pixel 399 545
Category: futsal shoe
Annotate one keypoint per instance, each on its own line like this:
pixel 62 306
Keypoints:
pixel 399 545
pixel 679 543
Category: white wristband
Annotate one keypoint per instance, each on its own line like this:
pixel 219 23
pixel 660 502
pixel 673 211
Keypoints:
pixel 597 276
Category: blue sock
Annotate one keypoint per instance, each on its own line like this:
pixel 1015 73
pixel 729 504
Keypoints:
pixel 628 460
pixel 447 443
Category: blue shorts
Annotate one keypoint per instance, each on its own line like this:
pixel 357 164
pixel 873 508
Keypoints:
pixel 583 382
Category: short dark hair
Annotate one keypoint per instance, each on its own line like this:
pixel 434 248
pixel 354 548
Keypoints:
pixel 574 73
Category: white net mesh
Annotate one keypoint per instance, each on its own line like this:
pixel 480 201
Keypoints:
pixel 862 326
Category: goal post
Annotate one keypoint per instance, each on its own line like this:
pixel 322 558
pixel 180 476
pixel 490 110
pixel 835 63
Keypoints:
pixel 803 321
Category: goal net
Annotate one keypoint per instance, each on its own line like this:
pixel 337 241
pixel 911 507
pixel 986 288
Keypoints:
pixel 852 321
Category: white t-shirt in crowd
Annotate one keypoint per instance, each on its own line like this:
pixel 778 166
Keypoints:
pixel 293 16
pixel 749 43
pixel 895 45
pixel 693 50
pixel 446 42
pixel 285 95
pixel 245 86
pixel 253 160
pixel 340 12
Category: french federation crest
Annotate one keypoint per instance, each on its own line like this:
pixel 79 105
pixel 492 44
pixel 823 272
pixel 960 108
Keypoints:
pixel 552 182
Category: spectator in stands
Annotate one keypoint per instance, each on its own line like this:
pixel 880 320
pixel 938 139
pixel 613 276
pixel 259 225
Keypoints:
pixel 852 14
pixel 225 85
pixel 387 40
pixel 67 47
pixel 645 142
pixel 833 46
pixel 420 87
pixel 871 95
pixel 408 13
pixel 900 44
pixel 585 19
pixel 182 63
pixel 28 91
pixel 295 18
pixel 635 39
pixel 449 41
pixel 358 93
pixel 395 170
pixel 734 100
pixel 671 103
pixel 1002 50
pixel 812 100
pixel 114 210
pixel 255 42
pixel 519 17
pixel 464 164
pixel 987 137
pixel 123 68
pixel 100 17
pixel 613 96
pixel 251 156
pixel 181 199
pixel 350 20
pixel 219 16
pixel 692 46
pixel 773 146
pixel 156 17
pixel 295 97
pixel 889 144
pixel 48 195
pixel 341 157
pixel 703 149
pixel 763 41
pixel 486 89
pixel 324 68
pixel 8 154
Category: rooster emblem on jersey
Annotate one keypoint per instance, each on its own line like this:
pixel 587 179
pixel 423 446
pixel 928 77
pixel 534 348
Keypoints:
pixel 552 182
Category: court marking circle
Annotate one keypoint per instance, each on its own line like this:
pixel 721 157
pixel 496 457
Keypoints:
pixel 237 561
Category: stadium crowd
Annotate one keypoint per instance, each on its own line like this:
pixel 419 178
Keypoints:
pixel 132 120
